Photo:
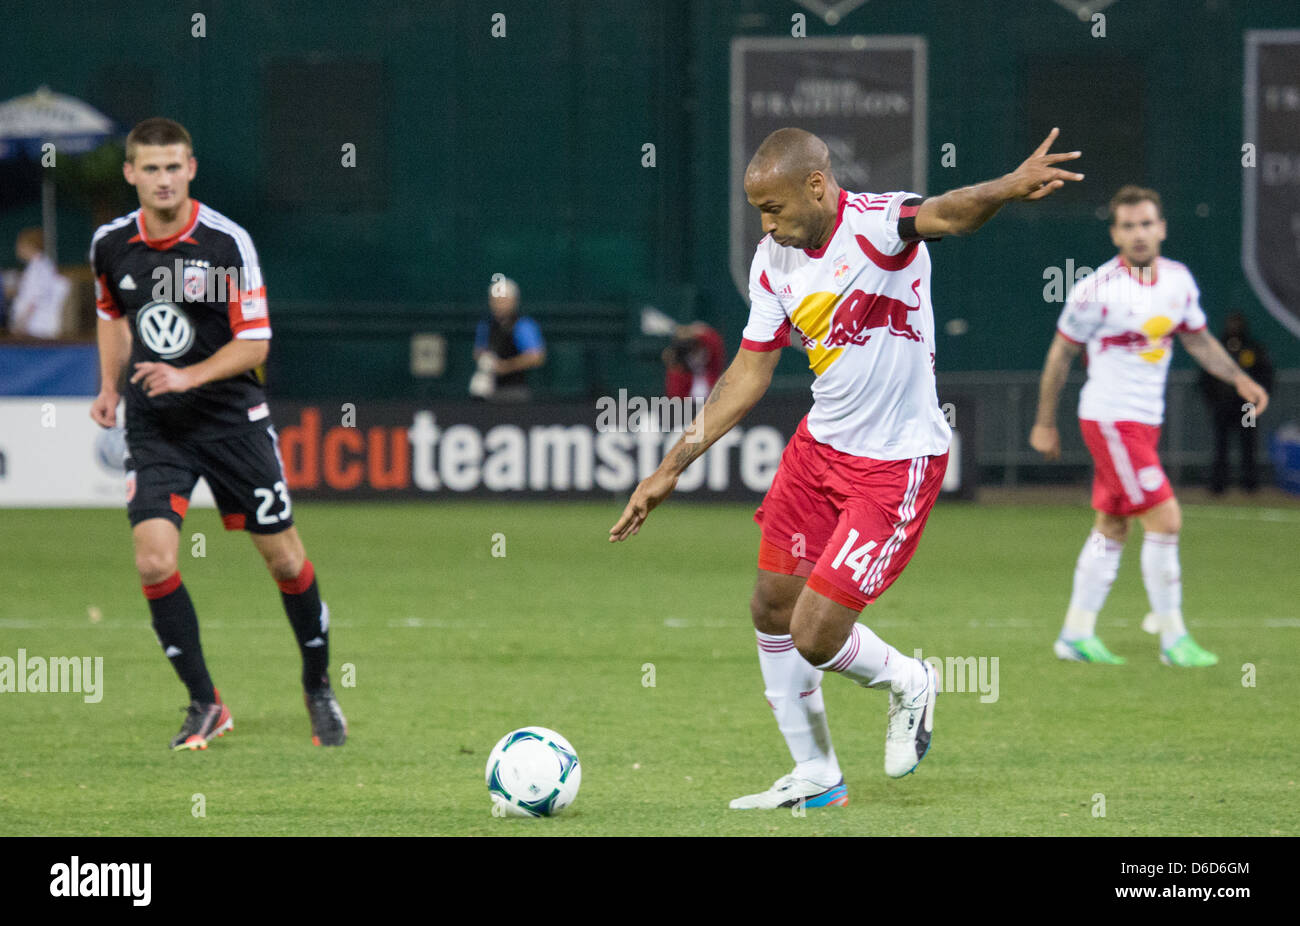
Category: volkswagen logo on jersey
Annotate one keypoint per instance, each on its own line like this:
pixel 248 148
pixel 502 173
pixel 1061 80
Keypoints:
pixel 165 329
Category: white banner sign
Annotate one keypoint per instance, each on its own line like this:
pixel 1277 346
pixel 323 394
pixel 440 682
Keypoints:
pixel 53 455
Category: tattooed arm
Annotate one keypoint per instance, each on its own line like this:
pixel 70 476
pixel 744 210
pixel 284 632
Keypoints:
pixel 738 390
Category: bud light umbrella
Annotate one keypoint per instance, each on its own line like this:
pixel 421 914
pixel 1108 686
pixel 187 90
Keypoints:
pixel 29 123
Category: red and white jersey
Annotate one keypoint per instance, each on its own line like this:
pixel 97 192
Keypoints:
pixel 1127 319
pixel 861 307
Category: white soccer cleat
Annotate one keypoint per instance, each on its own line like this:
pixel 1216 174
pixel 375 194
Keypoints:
pixel 790 791
pixel 911 721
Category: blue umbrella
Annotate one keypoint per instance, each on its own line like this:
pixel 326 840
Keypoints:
pixel 28 123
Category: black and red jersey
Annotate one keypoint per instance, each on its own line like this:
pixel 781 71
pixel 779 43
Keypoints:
pixel 185 297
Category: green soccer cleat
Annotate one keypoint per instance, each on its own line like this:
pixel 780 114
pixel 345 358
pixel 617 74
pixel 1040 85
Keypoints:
pixel 1089 649
pixel 1187 653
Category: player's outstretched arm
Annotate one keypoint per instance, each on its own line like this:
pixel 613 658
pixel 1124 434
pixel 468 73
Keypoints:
pixel 736 392
pixel 1044 437
pixel 1214 357
pixel 961 211
pixel 114 339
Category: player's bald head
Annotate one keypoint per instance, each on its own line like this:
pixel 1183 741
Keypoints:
pixel 789 156
pixel 789 182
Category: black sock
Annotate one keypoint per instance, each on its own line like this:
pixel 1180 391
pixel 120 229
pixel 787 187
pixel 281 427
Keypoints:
pixel 310 622
pixel 177 628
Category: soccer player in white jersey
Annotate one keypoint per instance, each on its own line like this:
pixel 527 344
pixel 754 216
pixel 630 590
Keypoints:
pixel 849 275
pixel 1126 314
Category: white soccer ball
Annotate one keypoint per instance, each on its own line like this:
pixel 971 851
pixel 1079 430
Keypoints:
pixel 532 772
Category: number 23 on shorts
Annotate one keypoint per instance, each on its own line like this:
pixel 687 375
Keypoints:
pixel 267 498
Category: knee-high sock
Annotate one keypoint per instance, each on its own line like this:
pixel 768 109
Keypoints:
pixel 793 690
pixel 1164 581
pixel 310 619
pixel 177 628
pixel 873 663
pixel 1094 574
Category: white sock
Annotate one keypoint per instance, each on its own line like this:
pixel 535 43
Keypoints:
pixel 1164 582
pixel 793 690
pixel 1094 574
pixel 873 663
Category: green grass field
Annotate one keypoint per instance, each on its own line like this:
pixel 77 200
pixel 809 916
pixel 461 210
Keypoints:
pixel 453 647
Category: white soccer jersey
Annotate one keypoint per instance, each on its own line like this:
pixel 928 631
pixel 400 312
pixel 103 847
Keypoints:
pixel 861 306
pixel 1128 324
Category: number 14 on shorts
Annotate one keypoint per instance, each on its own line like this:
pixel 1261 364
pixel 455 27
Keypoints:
pixel 859 560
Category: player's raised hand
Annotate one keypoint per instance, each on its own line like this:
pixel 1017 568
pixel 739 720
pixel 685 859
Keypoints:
pixel 1046 440
pixel 651 491
pixel 1038 176
pixel 1252 392
pixel 161 378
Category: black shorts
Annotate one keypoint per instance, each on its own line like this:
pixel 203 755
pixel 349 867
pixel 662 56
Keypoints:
pixel 244 472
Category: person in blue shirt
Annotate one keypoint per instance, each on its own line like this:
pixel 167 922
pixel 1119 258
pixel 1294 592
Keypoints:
pixel 506 346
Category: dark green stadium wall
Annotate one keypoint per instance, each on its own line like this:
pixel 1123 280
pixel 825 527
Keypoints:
pixel 523 155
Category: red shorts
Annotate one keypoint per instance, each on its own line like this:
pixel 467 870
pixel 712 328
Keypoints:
pixel 1127 478
pixel 848 523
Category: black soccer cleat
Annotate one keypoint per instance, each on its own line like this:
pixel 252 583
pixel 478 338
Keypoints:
pixel 328 725
pixel 203 723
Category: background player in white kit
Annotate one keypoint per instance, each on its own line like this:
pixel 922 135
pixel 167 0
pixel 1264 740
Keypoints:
pixel 849 273
pixel 1126 314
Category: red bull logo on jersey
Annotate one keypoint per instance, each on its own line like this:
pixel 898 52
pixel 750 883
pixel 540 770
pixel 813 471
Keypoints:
pixel 832 327
pixel 1152 343
pixel 862 313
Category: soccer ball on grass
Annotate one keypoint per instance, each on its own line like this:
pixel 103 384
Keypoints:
pixel 533 772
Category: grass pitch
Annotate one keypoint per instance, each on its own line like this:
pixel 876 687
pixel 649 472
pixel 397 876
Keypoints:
pixel 451 646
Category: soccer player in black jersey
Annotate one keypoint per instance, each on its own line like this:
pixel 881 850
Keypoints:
pixel 181 302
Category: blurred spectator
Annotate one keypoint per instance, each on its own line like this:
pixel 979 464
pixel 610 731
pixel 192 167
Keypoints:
pixel 694 360
pixel 37 309
pixel 506 347
pixel 1226 406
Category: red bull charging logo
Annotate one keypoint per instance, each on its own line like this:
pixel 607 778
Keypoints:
pixel 862 314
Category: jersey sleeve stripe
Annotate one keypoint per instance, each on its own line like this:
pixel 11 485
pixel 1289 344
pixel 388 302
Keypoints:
pixel 247 253
pixel 105 307
pixel 780 339
pixel 1068 338
pixel 247 310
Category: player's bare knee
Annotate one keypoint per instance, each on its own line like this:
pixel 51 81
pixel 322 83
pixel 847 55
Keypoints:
pixel 155 566
pixel 812 636
pixel 1112 527
pixel 769 616
pixel 285 565
pixel 814 642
